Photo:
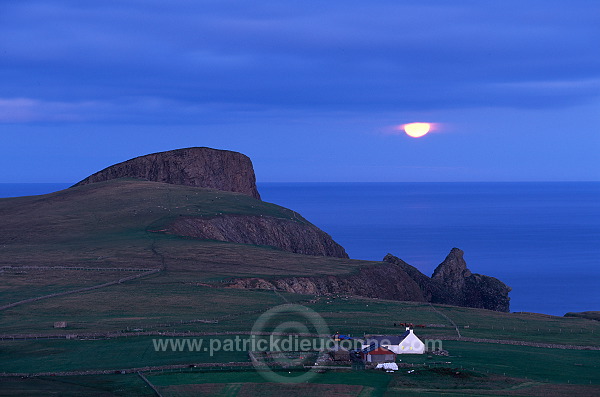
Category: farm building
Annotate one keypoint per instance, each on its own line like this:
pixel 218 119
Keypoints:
pixel 339 353
pixel 377 354
pixel 407 343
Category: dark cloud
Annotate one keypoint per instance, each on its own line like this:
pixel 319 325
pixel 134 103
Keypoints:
pixel 152 59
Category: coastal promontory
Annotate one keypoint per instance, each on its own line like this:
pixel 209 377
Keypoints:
pixel 143 211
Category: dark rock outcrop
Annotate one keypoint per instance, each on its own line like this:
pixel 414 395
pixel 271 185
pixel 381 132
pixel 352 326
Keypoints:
pixel 197 166
pixel 452 272
pixel 452 283
pixel 485 292
pixel 285 234
pixel 433 291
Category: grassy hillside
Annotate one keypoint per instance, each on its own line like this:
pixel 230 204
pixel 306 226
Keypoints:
pixel 593 315
pixel 119 209
pixel 117 224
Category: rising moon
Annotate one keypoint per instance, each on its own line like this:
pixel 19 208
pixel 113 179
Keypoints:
pixel 416 130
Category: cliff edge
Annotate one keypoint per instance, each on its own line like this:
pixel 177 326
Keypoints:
pixel 452 284
pixel 286 234
pixel 196 166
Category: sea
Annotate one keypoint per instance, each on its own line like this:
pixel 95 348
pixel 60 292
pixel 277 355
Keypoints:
pixel 541 239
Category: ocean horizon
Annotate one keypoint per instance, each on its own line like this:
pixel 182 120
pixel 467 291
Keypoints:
pixel 540 238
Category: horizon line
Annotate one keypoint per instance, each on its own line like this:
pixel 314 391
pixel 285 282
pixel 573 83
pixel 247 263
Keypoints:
pixel 340 182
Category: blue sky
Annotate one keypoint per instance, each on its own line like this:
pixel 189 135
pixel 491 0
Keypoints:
pixel 310 90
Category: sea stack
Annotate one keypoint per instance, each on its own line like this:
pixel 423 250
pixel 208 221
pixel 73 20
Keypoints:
pixel 452 283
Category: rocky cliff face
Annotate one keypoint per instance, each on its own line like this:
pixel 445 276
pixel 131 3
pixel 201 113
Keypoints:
pixel 452 284
pixel 197 166
pixel 432 291
pixel 228 171
pixel 285 234
pixel 376 281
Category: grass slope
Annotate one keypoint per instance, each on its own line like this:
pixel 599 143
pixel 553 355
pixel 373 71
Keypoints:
pixel 112 224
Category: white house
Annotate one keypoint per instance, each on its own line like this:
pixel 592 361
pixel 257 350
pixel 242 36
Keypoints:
pixel 407 343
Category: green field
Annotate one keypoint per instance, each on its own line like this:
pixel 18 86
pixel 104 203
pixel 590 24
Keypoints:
pixel 20 284
pixel 76 386
pixel 161 302
pixel 114 354
pixel 426 380
pixel 538 364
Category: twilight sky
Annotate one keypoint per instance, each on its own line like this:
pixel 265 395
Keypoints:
pixel 310 90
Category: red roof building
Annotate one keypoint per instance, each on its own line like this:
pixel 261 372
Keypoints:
pixel 377 354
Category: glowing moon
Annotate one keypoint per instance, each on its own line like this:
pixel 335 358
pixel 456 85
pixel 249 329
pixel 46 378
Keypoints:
pixel 416 130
